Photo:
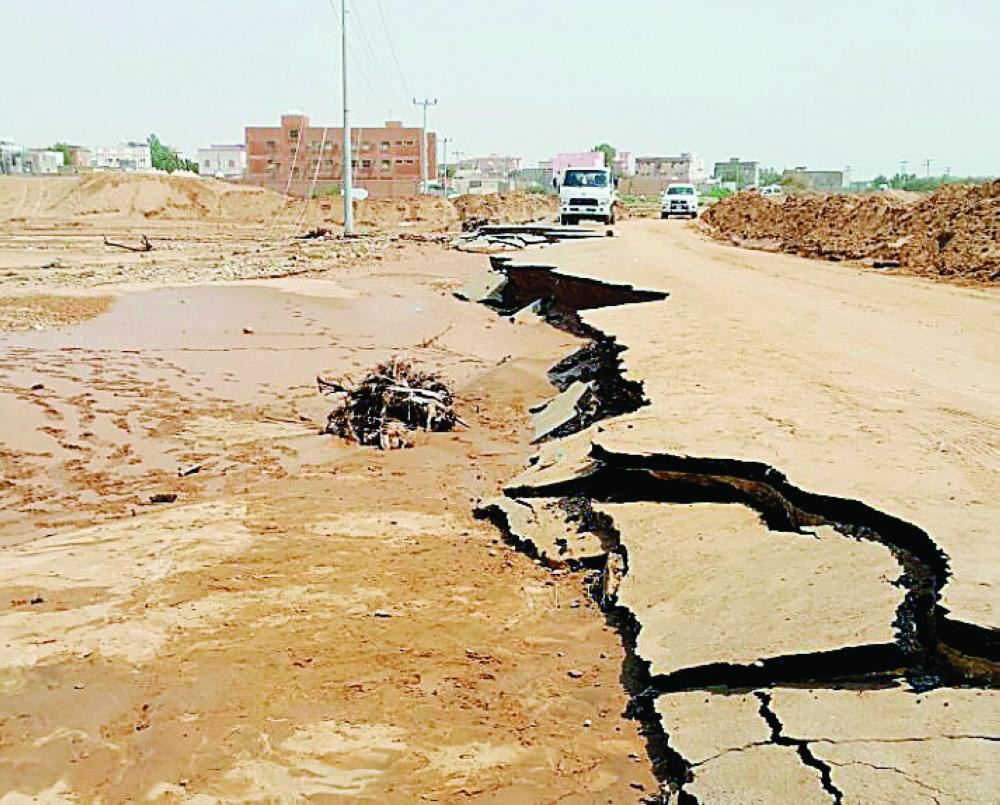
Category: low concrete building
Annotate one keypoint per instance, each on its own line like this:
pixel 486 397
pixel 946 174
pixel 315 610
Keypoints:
pixel 80 157
pixel 126 156
pixel 688 167
pixel 494 166
pixel 742 173
pixel 539 178
pixel 625 163
pixel 11 156
pixel 41 161
pixel 473 182
pixel 226 161
pixel 821 181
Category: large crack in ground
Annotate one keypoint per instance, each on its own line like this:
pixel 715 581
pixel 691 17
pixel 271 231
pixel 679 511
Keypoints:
pixel 930 649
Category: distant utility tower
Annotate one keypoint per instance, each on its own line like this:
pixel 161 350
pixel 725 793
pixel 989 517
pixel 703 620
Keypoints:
pixel 423 142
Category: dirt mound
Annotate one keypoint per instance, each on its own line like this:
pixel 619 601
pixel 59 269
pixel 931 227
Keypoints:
pixel 138 196
pixel 435 212
pixel 509 208
pixel 953 233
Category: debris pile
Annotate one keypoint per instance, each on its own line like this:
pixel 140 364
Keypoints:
pixel 391 402
pixel 484 238
pixel 953 233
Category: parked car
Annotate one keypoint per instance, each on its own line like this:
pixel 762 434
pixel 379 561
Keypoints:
pixel 679 199
pixel 771 190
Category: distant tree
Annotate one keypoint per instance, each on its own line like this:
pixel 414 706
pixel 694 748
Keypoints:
pixel 880 180
pixel 769 176
pixel 795 182
pixel 609 152
pixel 167 159
pixel 67 151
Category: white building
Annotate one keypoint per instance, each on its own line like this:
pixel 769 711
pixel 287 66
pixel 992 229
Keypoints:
pixel 227 161
pixel 474 183
pixel 43 161
pixel 688 168
pixel 11 156
pixel 123 157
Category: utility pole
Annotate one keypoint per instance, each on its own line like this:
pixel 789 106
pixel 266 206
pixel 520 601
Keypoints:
pixel 847 175
pixel 444 179
pixel 347 187
pixel 927 165
pixel 423 142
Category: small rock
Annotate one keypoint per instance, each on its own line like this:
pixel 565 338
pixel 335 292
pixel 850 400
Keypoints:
pixel 38 387
pixel 634 756
pixel 382 613
pixel 248 330
pixel 79 686
pixel 574 673
pixel 587 722
pixel 637 786
pixel 163 497
pixel 574 604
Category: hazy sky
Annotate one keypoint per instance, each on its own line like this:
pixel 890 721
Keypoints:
pixel 824 84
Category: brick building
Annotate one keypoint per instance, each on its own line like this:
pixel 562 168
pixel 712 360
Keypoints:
pixel 386 160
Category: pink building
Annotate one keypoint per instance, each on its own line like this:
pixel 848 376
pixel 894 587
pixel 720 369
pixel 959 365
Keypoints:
pixel 580 159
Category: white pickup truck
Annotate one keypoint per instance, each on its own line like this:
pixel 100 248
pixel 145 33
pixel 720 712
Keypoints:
pixel 679 199
pixel 587 193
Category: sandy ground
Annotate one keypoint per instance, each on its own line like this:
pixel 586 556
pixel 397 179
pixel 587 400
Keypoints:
pixel 305 619
pixel 791 541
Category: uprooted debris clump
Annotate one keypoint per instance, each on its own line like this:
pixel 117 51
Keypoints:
pixel 388 405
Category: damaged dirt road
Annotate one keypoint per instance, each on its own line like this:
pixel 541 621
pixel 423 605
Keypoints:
pixel 796 527
pixel 762 507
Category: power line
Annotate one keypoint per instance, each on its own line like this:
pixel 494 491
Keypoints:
pixel 359 25
pixel 392 47
pixel 423 142
pixel 364 76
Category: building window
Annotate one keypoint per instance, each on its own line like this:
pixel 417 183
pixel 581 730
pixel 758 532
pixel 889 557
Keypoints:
pixel 208 163
pixel 232 163
pixel 366 163
pixel 387 164
pixel 271 145
pixel 384 146
pixel 293 134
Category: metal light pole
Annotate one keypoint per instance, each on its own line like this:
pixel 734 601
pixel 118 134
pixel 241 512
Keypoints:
pixel 348 172
pixel 444 179
pixel 423 142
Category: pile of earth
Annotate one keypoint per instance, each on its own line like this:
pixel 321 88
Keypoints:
pixel 138 196
pixel 509 208
pixel 953 233
pixel 435 212
pixel 176 197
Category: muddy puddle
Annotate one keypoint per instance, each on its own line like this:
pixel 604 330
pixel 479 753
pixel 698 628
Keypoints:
pixel 305 618
pixel 96 418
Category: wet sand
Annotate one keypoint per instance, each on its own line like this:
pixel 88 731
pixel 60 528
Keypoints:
pixel 307 619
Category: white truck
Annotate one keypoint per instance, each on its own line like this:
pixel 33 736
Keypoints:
pixel 679 199
pixel 587 193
